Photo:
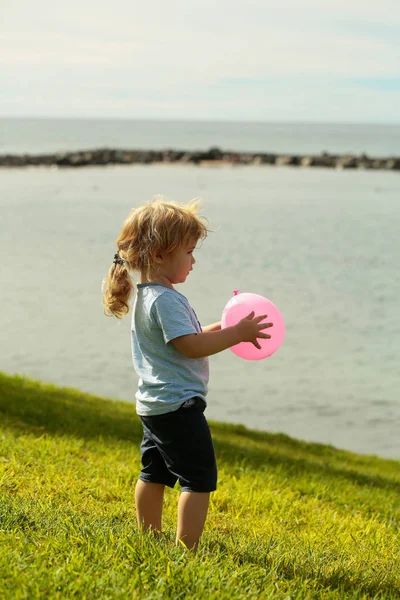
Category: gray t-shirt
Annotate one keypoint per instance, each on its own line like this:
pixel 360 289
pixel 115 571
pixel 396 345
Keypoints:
pixel 166 377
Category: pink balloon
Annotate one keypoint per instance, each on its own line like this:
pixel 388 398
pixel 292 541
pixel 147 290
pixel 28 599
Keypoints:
pixel 242 305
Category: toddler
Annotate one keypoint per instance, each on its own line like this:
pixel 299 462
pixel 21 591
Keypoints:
pixel 170 352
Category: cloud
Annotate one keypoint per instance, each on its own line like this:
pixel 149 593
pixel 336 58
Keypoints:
pixel 173 57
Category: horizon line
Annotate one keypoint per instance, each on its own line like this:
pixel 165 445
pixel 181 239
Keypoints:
pixel 196 120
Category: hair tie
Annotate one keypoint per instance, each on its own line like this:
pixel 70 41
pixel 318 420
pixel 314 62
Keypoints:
pixel 118 260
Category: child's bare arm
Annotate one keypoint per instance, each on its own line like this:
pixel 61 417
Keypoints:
pixel 208 343
pixel 213 327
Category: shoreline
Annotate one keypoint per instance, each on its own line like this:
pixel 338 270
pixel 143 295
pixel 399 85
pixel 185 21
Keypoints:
pixel 206 158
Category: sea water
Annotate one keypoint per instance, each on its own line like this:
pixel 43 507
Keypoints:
pixel 323 245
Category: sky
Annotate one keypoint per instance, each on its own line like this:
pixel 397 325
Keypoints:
pixel 235 60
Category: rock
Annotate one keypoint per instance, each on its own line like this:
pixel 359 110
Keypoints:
pixel 106 156
pixel 171 155
pixel 245 158
pixel 268 159
pixel 325 160
pixel 393 164
pixel 282 161
pixel 364 163
pixel 289 159
pixel 186 157
pixel 214 153
pixel 378 163
pixel 346 162
pixel 76 159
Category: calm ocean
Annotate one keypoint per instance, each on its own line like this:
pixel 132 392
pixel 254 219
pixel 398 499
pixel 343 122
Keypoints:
pixel 49 135
pixel 323 245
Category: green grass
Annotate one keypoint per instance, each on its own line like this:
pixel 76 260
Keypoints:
pixel 290 520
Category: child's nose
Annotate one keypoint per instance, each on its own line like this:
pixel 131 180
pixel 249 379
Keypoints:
pixel 193 260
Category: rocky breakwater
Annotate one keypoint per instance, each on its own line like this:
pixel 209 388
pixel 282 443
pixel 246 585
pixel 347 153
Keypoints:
pixel 213 156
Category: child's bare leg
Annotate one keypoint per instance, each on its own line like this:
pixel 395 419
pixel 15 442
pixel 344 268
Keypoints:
pixel 192 513
pixel 149 504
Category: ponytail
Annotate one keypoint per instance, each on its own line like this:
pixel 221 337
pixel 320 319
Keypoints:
pixel 117 289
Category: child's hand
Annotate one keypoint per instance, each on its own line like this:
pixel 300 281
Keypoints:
pixel 250 328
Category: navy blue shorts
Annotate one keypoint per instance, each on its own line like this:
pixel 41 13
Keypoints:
pixel 178 446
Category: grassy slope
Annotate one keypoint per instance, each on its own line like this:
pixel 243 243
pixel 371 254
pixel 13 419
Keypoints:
pixel 289 519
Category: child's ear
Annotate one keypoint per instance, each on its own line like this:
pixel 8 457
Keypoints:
pixel 159 258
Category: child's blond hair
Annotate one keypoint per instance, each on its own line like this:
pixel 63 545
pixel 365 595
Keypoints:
pixel 155 228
